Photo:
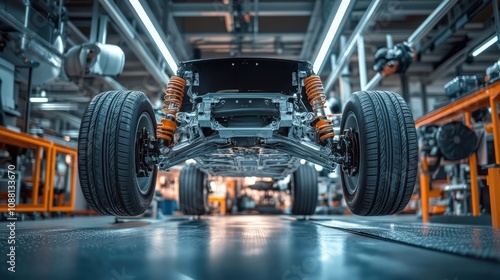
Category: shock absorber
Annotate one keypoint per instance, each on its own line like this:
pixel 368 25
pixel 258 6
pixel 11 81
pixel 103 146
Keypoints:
pixel 317 98
pixel 172 103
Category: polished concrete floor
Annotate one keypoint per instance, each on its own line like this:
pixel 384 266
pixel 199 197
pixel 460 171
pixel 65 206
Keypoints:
pixel 236 247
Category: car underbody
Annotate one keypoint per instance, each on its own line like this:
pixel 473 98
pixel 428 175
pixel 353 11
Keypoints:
pixel 240 117
pixel 261 127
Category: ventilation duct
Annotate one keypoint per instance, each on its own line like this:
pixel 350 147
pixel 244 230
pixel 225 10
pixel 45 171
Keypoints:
pixel 94 59
pixel 46 65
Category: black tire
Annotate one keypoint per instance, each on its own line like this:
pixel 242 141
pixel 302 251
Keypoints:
pixel 387 153
pixel 304 190
pixel 106 153
pixel 193 192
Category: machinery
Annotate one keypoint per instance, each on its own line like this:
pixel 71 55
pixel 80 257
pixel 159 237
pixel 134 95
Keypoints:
pixel 246 117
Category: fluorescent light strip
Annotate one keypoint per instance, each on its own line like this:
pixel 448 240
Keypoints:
pixel 39 99
pixel 154 34
pixel 486 45
pixel 327 42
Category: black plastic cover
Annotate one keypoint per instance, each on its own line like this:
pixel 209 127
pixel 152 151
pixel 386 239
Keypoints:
pixel 456 141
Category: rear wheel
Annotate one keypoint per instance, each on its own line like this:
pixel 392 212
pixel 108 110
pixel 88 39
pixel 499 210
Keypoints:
pixel 385 151
pixel 193 192
pixel 112 179
pixel 304 190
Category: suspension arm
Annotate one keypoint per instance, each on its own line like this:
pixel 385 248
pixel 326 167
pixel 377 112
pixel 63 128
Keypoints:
pixel 310 152
pixel 199 147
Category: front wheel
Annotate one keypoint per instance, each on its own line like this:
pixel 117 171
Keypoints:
pixel 385 150
pixel 113 179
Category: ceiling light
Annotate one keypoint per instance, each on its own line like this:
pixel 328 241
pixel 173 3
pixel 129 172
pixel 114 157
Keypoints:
pixel 318 168
pixel 39 99
pixel 484 46
pixel 250 180
pixel 154 34
pixel 332 31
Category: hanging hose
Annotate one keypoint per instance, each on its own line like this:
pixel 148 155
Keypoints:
pixel 317 98
pixel 172 103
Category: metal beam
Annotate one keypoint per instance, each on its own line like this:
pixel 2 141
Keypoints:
pixel 362 61
pixel 103 29
pixel 255 19
pixel 77 33
pixel 431 21
pixel 94 25
pixel 496 14
pixel 133 40
pixel 271 9
pixel 424 95
pixel 206 36
pixel 228 14
pixel 458 58
pixel 370 15
pixel 149 35
pixel 421 31
pixel 57 106
pixel 177 39
pixel 312 31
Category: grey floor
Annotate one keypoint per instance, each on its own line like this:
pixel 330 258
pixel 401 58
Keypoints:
pixel 241 247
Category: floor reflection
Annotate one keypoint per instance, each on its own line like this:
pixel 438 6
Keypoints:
pixel 238 247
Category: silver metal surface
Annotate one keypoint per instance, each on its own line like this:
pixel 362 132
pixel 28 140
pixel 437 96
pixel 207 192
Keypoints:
pixel 136 45
pixel 216 9
pixel 344 58
pixel 431 21
pixel 481 242
pixel 362 62
pixel 251 150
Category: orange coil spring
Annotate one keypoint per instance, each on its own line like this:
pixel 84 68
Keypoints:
pixel 166 129
pixel 315 92
pixel 173 95
pixel 325 129
pixel 172 103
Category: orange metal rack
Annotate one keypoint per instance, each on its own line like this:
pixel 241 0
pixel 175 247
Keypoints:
pixel 462 108
pixel 50 149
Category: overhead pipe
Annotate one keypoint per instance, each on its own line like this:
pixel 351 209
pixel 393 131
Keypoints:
pixel 418 34
pixel 370 14
pixel 496 15
pixel 255 20
pixel 312 30
pixel 362 61
pixel 134 41
pixel 18 26
pixel 457 58
pixel 431 21
pixel 376 79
